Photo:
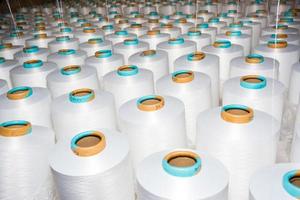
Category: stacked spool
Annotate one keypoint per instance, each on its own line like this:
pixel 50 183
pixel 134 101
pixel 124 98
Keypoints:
pixel 31 53
pixel 66 57
pixel 5 67
pixel 154 37
pixel 95 44
pixel 201 39
pixel 63 42
pixel 7 50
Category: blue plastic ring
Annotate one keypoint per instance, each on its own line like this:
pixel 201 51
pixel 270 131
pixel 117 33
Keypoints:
pixel 82 98
pixel 2 60
pixel 121 33
pixel 66 52
pixel 130 70
pixel 70 70
pixel 176 41
pixel 21 88
pixel 130 42
pixel 194 33
pixel 32 49
pixel 255 86
pixel 32 64
pixel 288 186
pixel 103 54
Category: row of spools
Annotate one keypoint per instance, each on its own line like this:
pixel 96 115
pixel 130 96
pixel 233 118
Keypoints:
pixel 120 101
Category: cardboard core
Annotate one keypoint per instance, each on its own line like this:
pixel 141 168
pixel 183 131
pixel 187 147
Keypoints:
pixel 92 30
pixel 82 92
pixel 21 93
pixel 153 32
pixel 252 79
pixel 136 26
pixel 183 77
pixel 196 56
pixel 281 35
pixel 295 180
pixel 13 129
pixel 168 26
pixel 42 35
pixel 182 21
pixel 237 114
pixel 148 53
pixel 7 45
pixel 254 60
pixel 181 159
pixel 88 143
pixel 278 44
pixel 151 103
pixel 71 68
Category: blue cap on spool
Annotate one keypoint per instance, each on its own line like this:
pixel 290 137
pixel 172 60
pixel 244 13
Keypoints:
pixel 66 52
pixel 32 49
pixel 66 30
pixel 236 25
pixel 233 33
pixel 255 58
pixel 232 11
pixel 81 20
pixel 81 95
pixel 123 32
pixel 253 82
pixel 95 41
pixel 130 42
pixel 63 38
pixel 194 33
pixel 127 70
pixel 287 19
pixel 103 54
pixel 182 163
pixel 23 128
pixel 2 60
pixel 32 64
pixel 108 27
pixel 20 92
pixel 153 13
pixel 203 25
pixel 222 44
pixel 166 16
pixel 176 41
pixel 246 22
pixel 214 20
pixel 223 15
pixel 70 70
pixel 288 185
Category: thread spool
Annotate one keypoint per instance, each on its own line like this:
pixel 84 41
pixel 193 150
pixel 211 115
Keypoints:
pixel 109 29
pixel 205 15
pixel 244 128
pixel 176 47
pixel 280 181
pixel 66 57
pixel 3 86
pixel 259 19
pixel 256 30
pixel 279 28
pixel 226 52
pixel 69 78
pixel 119 36
pixel 25 103
pixel 201 39
pixel 7 50
pixel 94 45
pixel 205 28
pixel 40 40
pixel 178 168
pixel 290 38
pixel 88 33
pixel 128 82
pixel 294 90
pixel 184 25
pixel 71 162
pixel 64 31
pixel 257 92
pixel 154 37
pixel 5 67
pixel 155 61
pixel 17 38
pixel 28 147
pixel 31 53
pixel 173 31
pixel 215 22
pixel 129 47
pixel 137 29
pixel 32 73
pixel 225 18
pixel 63 42
pixel 191 88
pixel 87 107
pixel 254 64
pixel 285 54
pixel 152 111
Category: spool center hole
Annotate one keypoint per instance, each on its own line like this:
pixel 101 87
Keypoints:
pixel 151 101
pixel 237 111
pixel 82 93
pixel 295 181
pixel 182 161
pixel 88 141
pixel 20 91
pixel 252 80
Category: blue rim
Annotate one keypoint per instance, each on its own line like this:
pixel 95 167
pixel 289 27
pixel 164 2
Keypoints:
pixel 235 25
pixel 96 40
pixel 66 52
pixel 223 43
pixel 176 41
pixel 81 99
pixel 133 70
pixel 256 56
pixel 77 137
pixel 288 186
pixel 32 49
pixel 121 33
pixel 66 30
pixel 103 54
pixel 194 33
pixel 21 88
pixel 234 33
pixel 203 25
pixel 15 123
pixel 131 42
pixel 254 86
pixel 63 39
pixel 30 65
pixel 234 106
pixel 75 70
pixel 214 20
pixel 2 60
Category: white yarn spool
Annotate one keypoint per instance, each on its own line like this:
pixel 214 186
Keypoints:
pixel 109 29
pixel 276 182
pixel 31 53
pixel 239 26
pixel 25 169
pixel 119 36
pixel 236 37
pixel 88 33
pixel 65 31
pixel 205 63
pixel 226 52
pixel 286 54
pixel 153 21
pixel 137 29
pixel 66 57
pixel 194 90
pixel 176 47
pixel 32 73
pixel 210 7
pixel 183 174
pixel 259 19
pixel 155 61
pixel 40 40
pixel 130 47
pixel 167 9
pixel 254 64
pixel 205 14
pixel 80 110
pixel 96 44
pixel 188 8
pixel 184 25
pixel 69 78
pixel 201 39
pixel 290 38
pixel 128 82
pixel 254 6
pixel 17 38
pixel 294 87
pixel 257 92
pixel 123 23
pixel 215 22
pixel 282 7
pixel 173 31
pixel 73 166
pixel 7 50
pixel 154 37
pixel 25 103
pixel 63 42
pixel 236 135
pixel 5 67
pixel 153 123
pixel 223 17
pixel 294 154
pixel 256 30
pixel 205 28
pixel 3 86
pixel 280 28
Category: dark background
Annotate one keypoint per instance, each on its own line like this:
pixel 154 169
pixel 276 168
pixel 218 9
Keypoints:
pixel 16 4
